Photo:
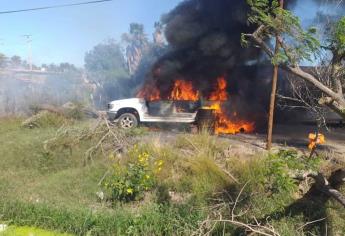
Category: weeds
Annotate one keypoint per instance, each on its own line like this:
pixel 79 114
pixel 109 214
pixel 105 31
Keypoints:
pixel 152 219
pixel 188 178
pixel 45 119
pixel 130 181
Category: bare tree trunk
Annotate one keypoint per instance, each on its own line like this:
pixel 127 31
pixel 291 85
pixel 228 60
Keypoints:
pixel 272 106
pixel 273 94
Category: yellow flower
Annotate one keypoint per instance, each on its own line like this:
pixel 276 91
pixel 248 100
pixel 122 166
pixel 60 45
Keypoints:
pixel 160 163
pixel 129 190
pixel 147 176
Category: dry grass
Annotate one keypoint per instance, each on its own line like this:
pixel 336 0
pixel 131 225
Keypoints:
pixel 197 176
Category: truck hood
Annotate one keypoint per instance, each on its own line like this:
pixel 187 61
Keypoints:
pixel 128 100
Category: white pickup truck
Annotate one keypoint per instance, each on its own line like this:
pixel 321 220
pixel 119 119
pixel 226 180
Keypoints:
pixel 128 113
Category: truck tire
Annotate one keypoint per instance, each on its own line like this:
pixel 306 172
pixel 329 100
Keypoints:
pixel 128 121
pixel 206 120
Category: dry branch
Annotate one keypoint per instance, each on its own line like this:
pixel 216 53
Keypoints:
pixel 209 224
pixel 337 100
pixel 328 186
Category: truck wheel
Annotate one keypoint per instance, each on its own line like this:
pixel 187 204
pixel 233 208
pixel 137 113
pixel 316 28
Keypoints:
pixel 128 121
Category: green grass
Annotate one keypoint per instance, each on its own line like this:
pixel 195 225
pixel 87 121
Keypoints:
pixel 32 231
pixel 56 190
pixel 152 219
pixel 31 174
pixel 53 188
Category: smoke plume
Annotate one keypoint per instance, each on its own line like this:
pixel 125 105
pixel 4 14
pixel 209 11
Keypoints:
pixel 204 37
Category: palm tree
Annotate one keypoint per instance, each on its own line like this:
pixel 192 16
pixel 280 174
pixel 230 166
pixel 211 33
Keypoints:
pixel 137 44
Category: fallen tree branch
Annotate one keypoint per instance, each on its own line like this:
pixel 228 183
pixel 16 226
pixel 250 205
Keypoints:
pixel 309 223
pixel 328 186
pixel 210 223
pixel 256 37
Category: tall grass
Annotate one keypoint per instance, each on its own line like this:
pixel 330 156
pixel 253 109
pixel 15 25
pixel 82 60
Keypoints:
pixel 55 190
pixel 153 219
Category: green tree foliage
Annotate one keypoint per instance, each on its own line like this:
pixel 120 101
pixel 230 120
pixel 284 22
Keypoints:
pixel 106 68
pixel 106 61
pixel 298 45
pixel 16 61
pixel 338 37
pixel 277 21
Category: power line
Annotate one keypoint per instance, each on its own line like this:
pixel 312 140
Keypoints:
pixel 54 6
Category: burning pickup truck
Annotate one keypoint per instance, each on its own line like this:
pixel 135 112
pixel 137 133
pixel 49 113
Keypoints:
pixel 183 105
pixel 128 113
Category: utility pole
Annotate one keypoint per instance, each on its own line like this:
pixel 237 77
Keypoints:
pixel 29 45
pixel 273 93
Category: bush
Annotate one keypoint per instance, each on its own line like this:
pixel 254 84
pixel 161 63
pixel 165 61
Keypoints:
pixel 45 119
pixel 280 166
pixel 131 180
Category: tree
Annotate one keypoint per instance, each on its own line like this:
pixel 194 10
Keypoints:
pixel 106 68
pixel 3 61
pixel 158 36
pixel 298 45
pixel 16 61
pixel 137 45
pixel 106 61
pixel 273 92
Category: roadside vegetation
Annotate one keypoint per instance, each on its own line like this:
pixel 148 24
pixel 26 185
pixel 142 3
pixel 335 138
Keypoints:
pixel 77 178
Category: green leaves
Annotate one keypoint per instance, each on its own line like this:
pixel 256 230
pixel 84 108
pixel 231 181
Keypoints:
pixel 299 44
pixel 279 58
pixel 339 36
pixel 279 166
pixel 130 181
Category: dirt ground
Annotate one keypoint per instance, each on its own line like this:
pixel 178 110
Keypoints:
pixel 294 136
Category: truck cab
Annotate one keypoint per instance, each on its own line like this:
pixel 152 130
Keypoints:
pixel 128 113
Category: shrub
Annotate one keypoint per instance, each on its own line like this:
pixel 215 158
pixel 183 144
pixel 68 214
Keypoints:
pixel 45 119
pixel 280 166
pixel 131 180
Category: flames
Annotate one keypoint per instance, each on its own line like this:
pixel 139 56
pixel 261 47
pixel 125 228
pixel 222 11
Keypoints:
pixel 220 93
pixel 226 123
pixel 183 90
pixel 149 92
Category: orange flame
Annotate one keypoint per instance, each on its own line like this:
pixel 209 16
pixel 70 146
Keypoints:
pixel 225 125
pixel 220 93
pixel 149 92
pixel 183 91
pixel 314 140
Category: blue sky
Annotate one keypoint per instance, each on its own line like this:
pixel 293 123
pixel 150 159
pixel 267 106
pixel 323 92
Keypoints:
pixel 65 34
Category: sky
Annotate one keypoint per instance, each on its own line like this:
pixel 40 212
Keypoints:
pixel 66 34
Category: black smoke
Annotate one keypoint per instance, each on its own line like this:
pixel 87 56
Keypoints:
pixel 204 39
